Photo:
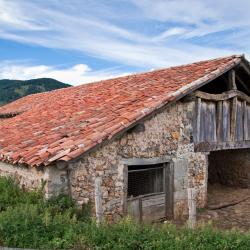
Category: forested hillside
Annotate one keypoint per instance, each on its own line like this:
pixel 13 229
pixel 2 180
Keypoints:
pixel 11 90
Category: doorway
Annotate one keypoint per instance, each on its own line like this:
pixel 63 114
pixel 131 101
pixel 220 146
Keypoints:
pixel 150 191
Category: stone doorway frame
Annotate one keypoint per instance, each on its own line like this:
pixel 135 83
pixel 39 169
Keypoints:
pixel 168 174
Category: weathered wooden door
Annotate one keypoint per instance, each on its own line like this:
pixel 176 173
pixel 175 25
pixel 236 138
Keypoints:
pixel 158 204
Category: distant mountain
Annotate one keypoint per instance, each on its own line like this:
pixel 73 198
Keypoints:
pixel 10 90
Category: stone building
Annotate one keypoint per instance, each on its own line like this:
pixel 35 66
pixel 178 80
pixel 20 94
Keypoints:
pixel 146 137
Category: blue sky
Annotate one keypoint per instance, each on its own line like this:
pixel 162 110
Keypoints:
pixel 79 41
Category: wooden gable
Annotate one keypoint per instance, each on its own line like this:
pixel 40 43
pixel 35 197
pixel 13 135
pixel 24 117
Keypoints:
pixel 222 115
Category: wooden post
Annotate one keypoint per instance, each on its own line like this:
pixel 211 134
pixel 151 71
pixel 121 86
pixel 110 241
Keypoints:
pixel 98 200
pixel 233 118
pixel 231 80
pixel 192 207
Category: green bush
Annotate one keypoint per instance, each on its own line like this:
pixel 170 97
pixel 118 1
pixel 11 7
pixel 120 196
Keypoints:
pixel 126 235
pixel 29 226
pixel 28 221
pixel 11 194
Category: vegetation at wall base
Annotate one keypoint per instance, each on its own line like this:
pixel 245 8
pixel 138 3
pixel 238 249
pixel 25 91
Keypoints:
pixel 28 221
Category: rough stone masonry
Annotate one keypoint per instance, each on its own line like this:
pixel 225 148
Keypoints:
pixel 166 134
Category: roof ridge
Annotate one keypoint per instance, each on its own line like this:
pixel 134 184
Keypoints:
pixel 122 77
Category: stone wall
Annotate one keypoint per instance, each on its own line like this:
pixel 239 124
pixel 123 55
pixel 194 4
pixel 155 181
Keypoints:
pixel 168 133
pixel 230 167
pixel 28 178
pixel 55 180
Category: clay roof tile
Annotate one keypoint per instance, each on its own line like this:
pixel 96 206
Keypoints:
pixel 63 124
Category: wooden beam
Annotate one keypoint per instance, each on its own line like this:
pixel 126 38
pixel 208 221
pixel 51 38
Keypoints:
pixel 146 161
pixel 222 97
pixel 231 80
pixel 214 146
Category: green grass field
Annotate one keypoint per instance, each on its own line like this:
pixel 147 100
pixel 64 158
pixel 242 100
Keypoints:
pixel 27 221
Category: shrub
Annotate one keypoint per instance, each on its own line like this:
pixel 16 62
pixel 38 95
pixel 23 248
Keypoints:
pixel 11 194
pixel 28 221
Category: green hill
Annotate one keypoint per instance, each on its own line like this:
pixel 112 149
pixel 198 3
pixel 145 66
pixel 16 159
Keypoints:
pixel 10 90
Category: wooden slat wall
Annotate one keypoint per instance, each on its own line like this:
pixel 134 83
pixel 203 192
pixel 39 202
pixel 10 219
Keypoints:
pixel 247 122
pixel 222 121
pixel 207 122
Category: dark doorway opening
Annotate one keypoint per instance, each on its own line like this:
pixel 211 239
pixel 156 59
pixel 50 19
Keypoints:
pixel 228 199
pixel 230 168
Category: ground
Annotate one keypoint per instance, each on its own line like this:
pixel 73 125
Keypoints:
pixel 236 216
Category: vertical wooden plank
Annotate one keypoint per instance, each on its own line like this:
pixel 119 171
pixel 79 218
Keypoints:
pixel 198 121
pixel 133 209
pixel 219 120
pixel 233 118
pixel 208 116
pixel 213 119
pixel 245 123
pixel 207 121
pixel 203 122
pixel 231 80
pixel 226 121
pixel 98 200
pixel 165 178
pixel 239 122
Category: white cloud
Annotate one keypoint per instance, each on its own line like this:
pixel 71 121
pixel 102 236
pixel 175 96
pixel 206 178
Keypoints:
pixel 202 17
pixel 97 28
pixel 13 18
pixel 75 75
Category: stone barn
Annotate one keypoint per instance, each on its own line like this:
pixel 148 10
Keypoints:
pixel 146 138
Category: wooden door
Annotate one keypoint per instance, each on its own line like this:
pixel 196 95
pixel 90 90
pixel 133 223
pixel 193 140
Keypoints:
pixel 154 206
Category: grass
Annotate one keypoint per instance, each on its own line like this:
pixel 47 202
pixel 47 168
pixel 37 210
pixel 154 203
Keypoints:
pixel 27 221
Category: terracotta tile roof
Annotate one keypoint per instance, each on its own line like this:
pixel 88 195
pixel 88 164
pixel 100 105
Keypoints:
pixel 65 123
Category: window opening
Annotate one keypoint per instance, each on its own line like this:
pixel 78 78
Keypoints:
pixel 145 179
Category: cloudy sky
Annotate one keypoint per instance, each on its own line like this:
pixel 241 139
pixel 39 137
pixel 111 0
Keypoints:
pixel 78 41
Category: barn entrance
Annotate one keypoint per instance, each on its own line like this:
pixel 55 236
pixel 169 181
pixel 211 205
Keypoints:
pixel 230 168
pixel 150 192
pixel 229 188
